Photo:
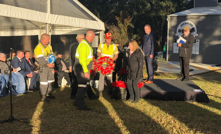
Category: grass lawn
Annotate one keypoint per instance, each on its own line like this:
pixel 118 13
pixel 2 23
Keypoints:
pixel 113 117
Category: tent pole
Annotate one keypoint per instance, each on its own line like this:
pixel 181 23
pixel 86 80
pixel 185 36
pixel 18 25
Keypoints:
pixel 101 36
pixel 168 29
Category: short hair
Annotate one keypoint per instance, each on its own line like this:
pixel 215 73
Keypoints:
pixel 2 54
pixel 19 51
pixel 44 36
pixel 79 36
pixel 147 25
pixel 27 51
pixel 90 33
pixel 58 54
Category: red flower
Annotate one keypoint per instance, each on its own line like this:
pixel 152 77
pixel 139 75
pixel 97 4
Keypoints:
pixel 119 84
pixel 140 84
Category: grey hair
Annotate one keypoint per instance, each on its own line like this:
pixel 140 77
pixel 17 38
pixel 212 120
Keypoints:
pixel 1 55
pixel 147 25
pixel 79 36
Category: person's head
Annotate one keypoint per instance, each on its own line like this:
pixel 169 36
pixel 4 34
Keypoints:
pixel 59 55
pixel 80 37
pixel 20 54
pixel 45 39
pixel 186 30
pixel 2 57
pixel 133 45
pixel 90 36
pixel 27 54
pixel 147 28
pixel 108 38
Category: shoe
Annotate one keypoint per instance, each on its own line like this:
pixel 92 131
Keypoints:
pixel 51 97
pixel 135 101
pixel 72 97
pixel 149 82
pixel 128 100
pixel 145 80
pixel 185 79
pixel 45 100
pixel 181 78
pixel 84 109
pixel 94 97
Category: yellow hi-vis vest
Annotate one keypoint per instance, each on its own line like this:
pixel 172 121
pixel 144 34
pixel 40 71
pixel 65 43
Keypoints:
pixel 41 51
pixel 107 51
pixel 84 54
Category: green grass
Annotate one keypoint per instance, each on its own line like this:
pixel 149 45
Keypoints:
pixel 115 116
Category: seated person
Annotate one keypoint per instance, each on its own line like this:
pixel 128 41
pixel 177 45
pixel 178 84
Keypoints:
pixel 61 69
pixel 33 68
pixel 11 54
pixel 17 79
pixel 21 65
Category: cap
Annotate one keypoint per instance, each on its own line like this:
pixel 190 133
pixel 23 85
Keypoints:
pixel 186 28
pixel 108 36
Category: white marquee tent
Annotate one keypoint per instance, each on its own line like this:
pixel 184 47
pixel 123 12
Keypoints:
pixel 56 17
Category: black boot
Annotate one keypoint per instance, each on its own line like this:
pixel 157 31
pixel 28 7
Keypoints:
pixel 45 99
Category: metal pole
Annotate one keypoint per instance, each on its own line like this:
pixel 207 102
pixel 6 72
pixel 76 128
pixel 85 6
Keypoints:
pixel 168 28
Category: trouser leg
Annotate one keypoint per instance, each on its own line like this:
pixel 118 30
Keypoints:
pixel 150 68
pixel 74 86
pixel 146 63
pixel 60 76
pixel 109 83
pixel 181 67
pixel 66 75
pixel 186 67
pixel 130 89
pixel 101 83
pixel 136 90
pixel 33 80
pixel 90 93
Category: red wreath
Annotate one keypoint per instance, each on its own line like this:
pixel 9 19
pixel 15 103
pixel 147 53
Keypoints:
pixel 108 69
pixel 119 84
pixel 94 67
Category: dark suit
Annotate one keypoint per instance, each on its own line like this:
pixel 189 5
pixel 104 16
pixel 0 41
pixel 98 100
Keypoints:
pixel 25 69
pixel 185 53
pixel 148 49
pixel 61 73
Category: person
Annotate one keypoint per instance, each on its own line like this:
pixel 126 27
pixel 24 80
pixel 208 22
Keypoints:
pixel 108 49
pixel 82 65
pixel 119 61
pixel 72 52
pixel 148 49
pixel 34 70
pixel 46 72
pixel 19 62
pixel 185 53
pixel 18 82
pixel 135 70
pixel 61 69
pixel 164 50
pixel 12 54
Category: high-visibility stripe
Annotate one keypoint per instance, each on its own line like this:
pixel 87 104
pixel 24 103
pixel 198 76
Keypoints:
pixel 90 56
pixel 107 55
pixel 50 81
pixel 39 56
pixel 44 83
pixel 81 85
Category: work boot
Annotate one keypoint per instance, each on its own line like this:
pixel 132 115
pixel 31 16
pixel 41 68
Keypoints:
pixel 44 99
pixel 50 96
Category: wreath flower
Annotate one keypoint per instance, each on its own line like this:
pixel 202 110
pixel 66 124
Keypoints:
pixel 121 84
pixel 105 60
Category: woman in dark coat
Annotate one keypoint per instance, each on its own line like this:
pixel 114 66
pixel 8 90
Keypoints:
pixel 135 70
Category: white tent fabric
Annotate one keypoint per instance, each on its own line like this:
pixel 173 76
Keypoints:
pixel 34 17
pixel 199 11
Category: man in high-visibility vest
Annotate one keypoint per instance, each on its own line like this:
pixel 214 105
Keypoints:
pixel 108 49
pixel 46 72
pixel 82 65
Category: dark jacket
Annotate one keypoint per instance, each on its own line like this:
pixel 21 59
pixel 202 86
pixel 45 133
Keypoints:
pixel 135 64
pixel 58 65
pixel 186 49
pixel 32 66
pixel 119 61
pixel 72 51
pixel 148 44
pixel 25 69
pixel 4 66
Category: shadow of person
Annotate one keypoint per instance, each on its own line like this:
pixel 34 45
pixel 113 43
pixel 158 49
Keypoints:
pixel 61 116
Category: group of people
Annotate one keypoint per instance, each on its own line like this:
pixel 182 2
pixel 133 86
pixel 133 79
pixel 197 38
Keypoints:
pixel 77 73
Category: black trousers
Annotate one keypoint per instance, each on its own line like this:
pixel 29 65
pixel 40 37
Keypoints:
pixel 65 75
pixel 149 66
pixel 184 66
pixel 133 89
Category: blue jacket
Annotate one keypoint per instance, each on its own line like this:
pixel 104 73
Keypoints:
pixel 25 69
pixel 148 44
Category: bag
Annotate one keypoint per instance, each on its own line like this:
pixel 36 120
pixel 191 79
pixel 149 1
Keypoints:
pixel 119 93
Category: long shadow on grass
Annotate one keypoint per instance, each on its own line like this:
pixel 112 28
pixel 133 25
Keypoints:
pixel 134 120
pixel 60 116
pixel 193 116
pixel 23 108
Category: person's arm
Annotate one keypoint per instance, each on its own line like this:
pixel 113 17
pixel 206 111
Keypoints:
pixel 99 50
pixel 83 54
pixel 152 45
pixel 140 64
pixel 121 49
pixel 116 52
pixel 70 59
pixel 189 42
pixel 15 64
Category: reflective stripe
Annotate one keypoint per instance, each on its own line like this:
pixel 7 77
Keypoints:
pixel 107 55
pixel 107 50
pixel 81 85
pixel 44 83
pixel 42 50
pixel 101 46
pixel 114 47
pixel 90 56
pixel 40 56
pixel 50 81
pixel 109 75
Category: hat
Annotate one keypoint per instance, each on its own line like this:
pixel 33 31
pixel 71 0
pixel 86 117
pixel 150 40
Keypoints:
pixel 186 28
pixel 108 36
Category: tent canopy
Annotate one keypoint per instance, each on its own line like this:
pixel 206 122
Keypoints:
pixel 199 11
pixel 34 17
